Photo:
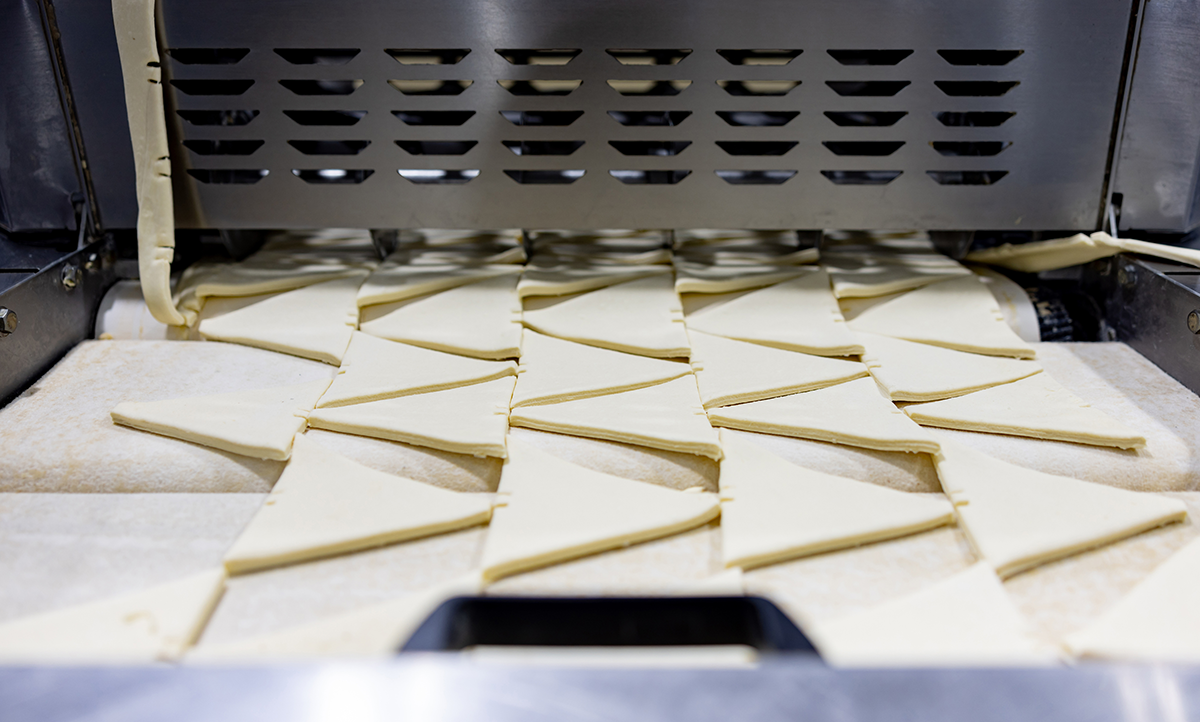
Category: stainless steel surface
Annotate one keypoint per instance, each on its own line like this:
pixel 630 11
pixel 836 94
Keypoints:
pixel 1158 171
pixel 8 321
pixel 1064 100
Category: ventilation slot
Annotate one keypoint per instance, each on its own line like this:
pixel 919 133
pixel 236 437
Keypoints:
pixel 326 117
pixel 329 147
pixel 223 147
pixel 986 147
pixel 543 147
pixel 867 88
pixel 544 177
pixel 208 56
pixel 756 177
pixel 966 177
pixel 650 177
pixel 556 118
pixel 650 147
pixel 317 56
pixel 980 57
pixel 757 147
pixel 344 176
pixel 433 117
pixel 321 87
pixel 649 117
pixel 218 117
pixel 869 57
pixel 863 147
pixel 760 57
pixel 540 87
pixel 428 56
pixel 228 177
pixel 649 87
pixel 861 177
pixel 757 119
pixel 212 87
pixel 430 87
pixel 436 147
pixel 545 56
pixel 428 176
pixel 976 88
pixel 758 87
pixel 978 119
pixel 632 56
pixel 865 119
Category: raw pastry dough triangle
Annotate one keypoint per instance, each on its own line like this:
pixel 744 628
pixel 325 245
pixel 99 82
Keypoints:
pixel 150 625
pixel 553 370
pixel 691 277
pixel 734 372
pixel 398 281
pixel 259 423
pixel 798 315
pixel 1037 406
pixel 642 316
pixel 565 279
pixel 913 371
pixel 960 314
pixel 967 619
pixel 866 276
pixel 551 510
pixel 255 277
pixel 666 416
pixel 325 504
pixel 1155 622
pixel 772 510
pixel 375 369
pixel 465 420
pixel 481 319
pixel 1017 518
pixel 313 322
pixel 854 413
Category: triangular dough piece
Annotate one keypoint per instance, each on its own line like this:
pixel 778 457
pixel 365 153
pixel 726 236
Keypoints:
pixel 313 322
pixel 564 279
pixel 325 504
pixel 1017 518
pixel 1037 406
pixel 398 281
pixel 553 370
pixel 642 317
pixel 150 625
pixel 797 315
pixel 913 371
pixel 375 369
pixel 693 277
pixel 259 423
pixel 255 277
pixel 735 372
pixel 375 631
pixel 967 619
pixel 772 510
pixel 854 413
pixel 481 319
pixel 552 510
pixel 868 277
pixel 465 420
pixel 1155 622
pixel 666 416
pixel 960 314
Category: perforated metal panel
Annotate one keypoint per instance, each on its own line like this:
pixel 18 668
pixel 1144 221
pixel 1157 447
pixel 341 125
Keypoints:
pixel 867 114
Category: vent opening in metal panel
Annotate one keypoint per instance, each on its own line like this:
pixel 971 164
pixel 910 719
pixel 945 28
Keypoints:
pixel 757 118
pixel 755 177
pixel 326 117
pixel 867 88
pixel 966 177
pixel 556 118
pixel 764 56
pixel 432 176
pixel 208 56
pixel 329 147
pixel 545 177
pixel 428 56
pixel 758 87
pixel 650 177
pixel 973 119
pixel 223 147
pixel 858 118
pixel 348 176
pixel 650 147
pixel 869 57
pixel 861 177
pixel 436 147
pixel 322 87
pixel 431 87
pixel 543 147
pixel 212 87
pixel 863 147
pixel 317 56
pixel 218 117
pixel 980 57
pixel 433 117
pixel 649 87
pixel 978 147
pixel 976 88
pixel 649 117
pixel 540 87
pixel 756 147
pixel 538 56
pixel 643 56
pixel 217 176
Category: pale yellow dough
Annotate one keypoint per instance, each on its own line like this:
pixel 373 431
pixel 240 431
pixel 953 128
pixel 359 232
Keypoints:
pixel 375 369
pixel 913 371
pixel 1037 406
pixel 260 274
pixel 260 423
pixel 665 416
pixel 1017 518
pixel 772 510
pixel 1045 255
pixel 642 317
pixel 692 277
pixel 551 511
pixel 150 625
pixel 855 413
pixel 464 420
pixel 867 276
pixel 1188 256
pixel 397 281
pixel 553 370
pixel 540 279
pixel 325 504
pixel 735 372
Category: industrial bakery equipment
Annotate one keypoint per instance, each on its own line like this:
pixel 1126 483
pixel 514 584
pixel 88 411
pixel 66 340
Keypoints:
pixel 980 123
